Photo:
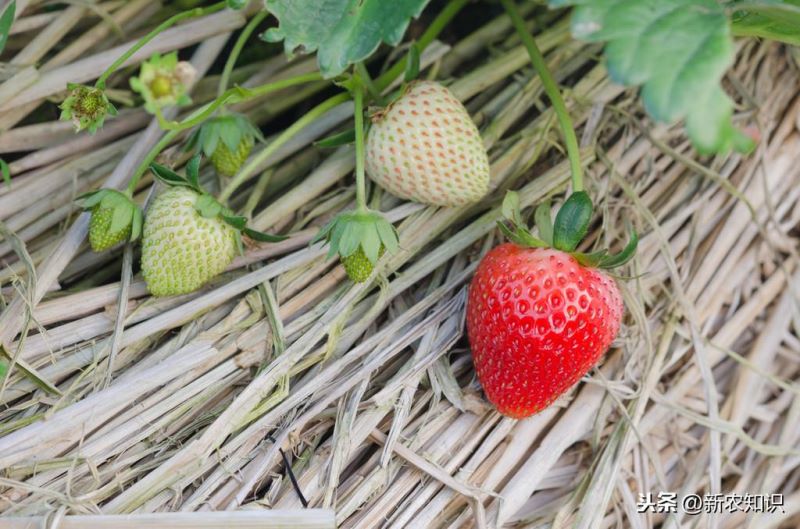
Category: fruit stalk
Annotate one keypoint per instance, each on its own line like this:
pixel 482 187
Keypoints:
pixel 436 27
pixel 361 183
pixel 171 21
pixel 282 138
pixel 551 88
pixel 237 49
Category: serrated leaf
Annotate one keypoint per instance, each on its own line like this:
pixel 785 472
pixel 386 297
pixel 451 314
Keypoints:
pixel 6 19
pixel 6 172
pixel 677 50
pixel 769 19
pixel 572 221
pixel 342 32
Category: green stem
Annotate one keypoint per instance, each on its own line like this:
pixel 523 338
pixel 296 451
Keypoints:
pixel 237 49
pixel 436 27
pixel 285 136
pixel 148 159
pixel 361 182
pixel 551 88
pixel 236 94
pixel 171 21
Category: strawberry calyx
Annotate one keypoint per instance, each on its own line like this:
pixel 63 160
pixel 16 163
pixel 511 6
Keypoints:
pixel 206 205
pixel 350 231
pixel 565 233
pixel 125 216
pixel 230 128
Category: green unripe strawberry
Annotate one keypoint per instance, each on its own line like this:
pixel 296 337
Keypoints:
pixel 358 266
pixel 227 141
pixel 182 250
pixel 101 238
pixel 115 218
pixel 227 162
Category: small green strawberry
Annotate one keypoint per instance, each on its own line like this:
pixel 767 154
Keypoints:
pixel 115 218
pixel 425 147
pixel 360 238
pixel 189 237
pixel 358 267
pixel 227 140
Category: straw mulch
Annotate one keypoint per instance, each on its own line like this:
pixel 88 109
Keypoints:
pixel 118 403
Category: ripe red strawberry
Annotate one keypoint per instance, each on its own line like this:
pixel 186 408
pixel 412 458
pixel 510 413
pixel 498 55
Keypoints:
pixel 425 147
pixel 540 314
pixel 537 322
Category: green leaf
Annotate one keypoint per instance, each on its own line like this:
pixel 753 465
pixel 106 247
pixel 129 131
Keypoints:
pixel 209 208
pixel 335 140
pixel 237 4
pixel 544 222
pixel 6 19
pixel 769 19
pixel 6 172
pixel 510 208
pixel 412 63
pixel 677 50
pixel 342 32
pixel 572 222
pixel 260 236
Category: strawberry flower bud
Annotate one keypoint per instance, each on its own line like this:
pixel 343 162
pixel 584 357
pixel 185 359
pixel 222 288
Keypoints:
pixel 87 107
pixel 163 80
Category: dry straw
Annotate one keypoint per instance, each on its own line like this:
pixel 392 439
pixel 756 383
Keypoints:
pixel 117 403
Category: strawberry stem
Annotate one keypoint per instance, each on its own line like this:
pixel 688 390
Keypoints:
pixel 357 91
pixel 551 88
pixel 237 49
pixel 282 138
pixel 436 27
pixel 171 21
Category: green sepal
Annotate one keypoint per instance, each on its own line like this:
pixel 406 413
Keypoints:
pixel 260 236
pixel 209 208
pixel 572 222
pixel 137 224
pixel 544 222
pixel 170 177
pixel 412 63
pixel 627 253
pixel 240 224
pixel 193 171
pixel 518 233
pixel 346 137
pixel 350 230
pixel 230 128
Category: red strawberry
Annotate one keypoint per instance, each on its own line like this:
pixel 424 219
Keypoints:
pixel 540 314
pixel 537 322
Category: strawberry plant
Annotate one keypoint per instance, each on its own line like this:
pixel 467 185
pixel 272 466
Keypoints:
pixel 474 206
